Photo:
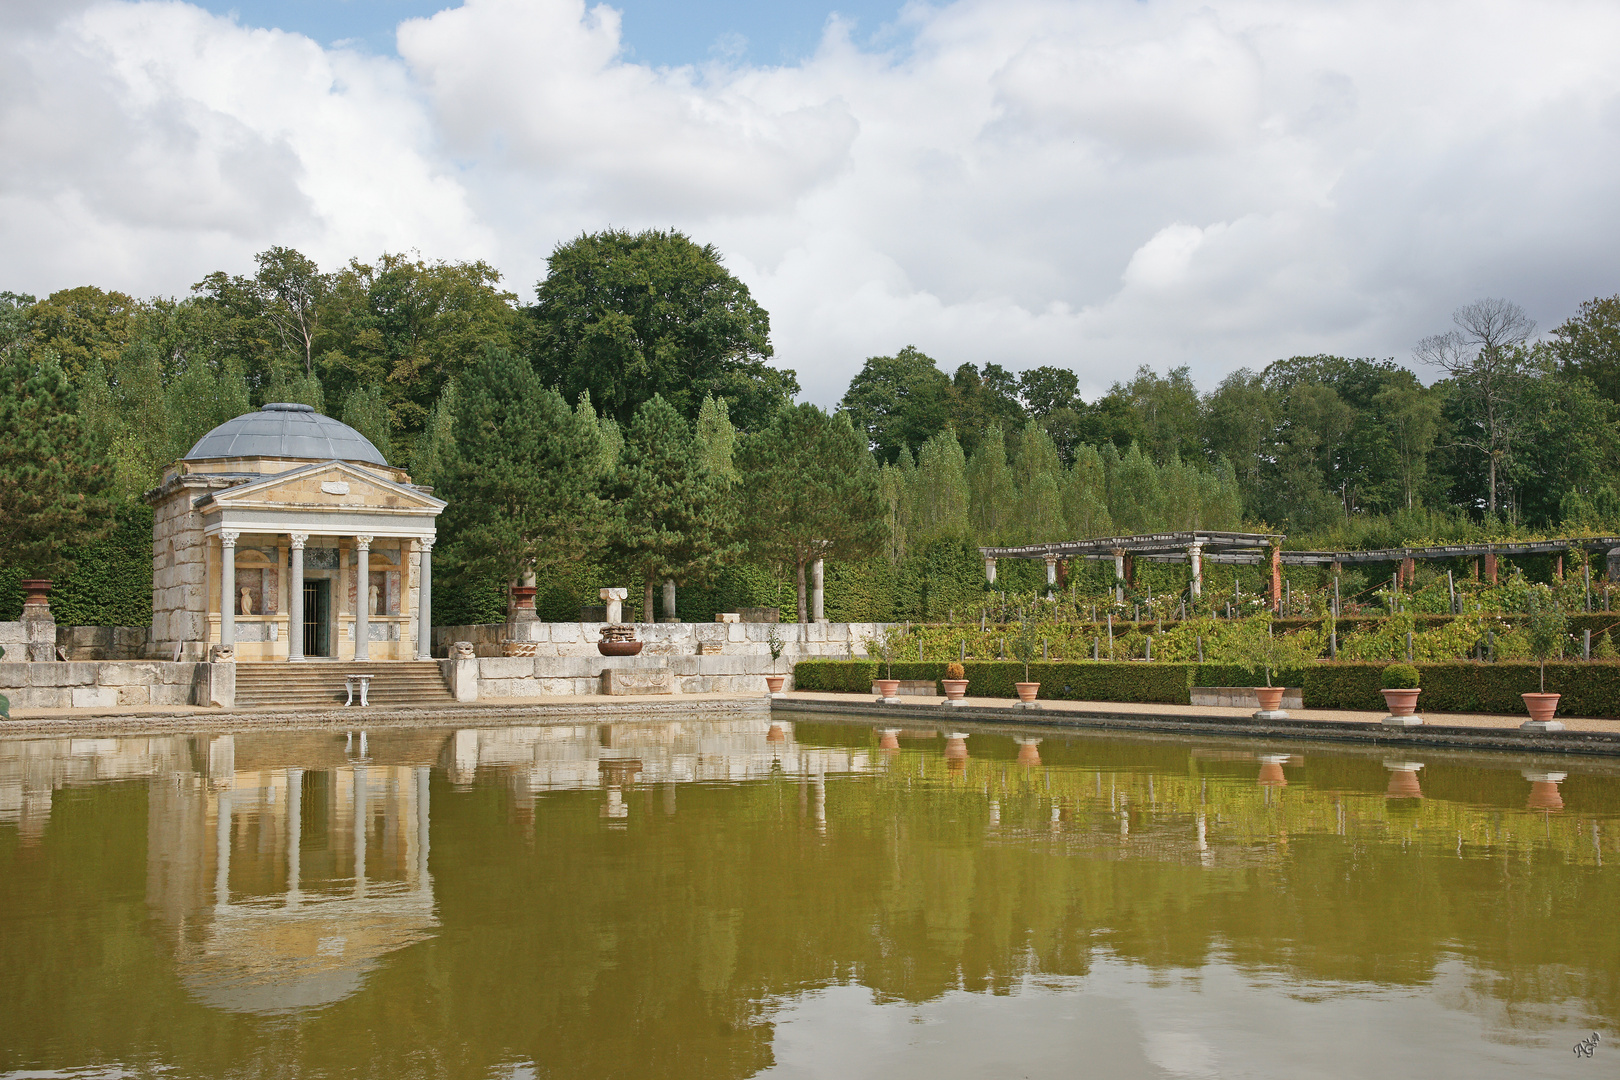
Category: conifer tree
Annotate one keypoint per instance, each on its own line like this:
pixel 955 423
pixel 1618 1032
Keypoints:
pixel 1085 496
pixel 991 490
pixel 669 515
pixel 520 481
pixel 940 497
pixel 55 477
pixel 717 440
pixel 813 492
pixel 435 446
pixel 367 412
pixel 1038 473
pixel 1135 501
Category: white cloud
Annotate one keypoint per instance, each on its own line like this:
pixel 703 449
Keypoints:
pixel 1095 184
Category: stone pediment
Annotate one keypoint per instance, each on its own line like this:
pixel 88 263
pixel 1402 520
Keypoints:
pixel 329 485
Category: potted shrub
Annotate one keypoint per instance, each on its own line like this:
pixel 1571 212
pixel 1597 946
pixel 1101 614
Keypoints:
pixel 1024 646
pixel 773 642
pixel 1254 646
pixel 881 646
pixel 1400 690
pixel 1545 630
pixel 955 682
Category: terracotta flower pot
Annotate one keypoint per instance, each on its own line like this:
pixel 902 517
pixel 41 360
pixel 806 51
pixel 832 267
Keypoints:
pixel 1541 706
pixel 1403 784
pixel 37 591
pixel 1401 702
pixel 1270 697
pixel 773 683
pixel 1027 691
pixel 887 688
pixel 889 739
pixel 1029 752
pixel 955 689
pixel 619 648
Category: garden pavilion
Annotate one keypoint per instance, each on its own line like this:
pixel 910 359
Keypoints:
pixel 284 535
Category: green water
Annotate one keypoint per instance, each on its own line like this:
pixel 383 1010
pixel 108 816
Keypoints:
pixel 718 899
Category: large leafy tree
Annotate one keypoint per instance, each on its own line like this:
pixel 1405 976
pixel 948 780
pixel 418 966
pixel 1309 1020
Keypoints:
pixel 1589 345
pixel 812 489
pixel 81 325
pixel 669 504
pixel 899 400
pixel 626 316
pixel 520 477
pixel 55 475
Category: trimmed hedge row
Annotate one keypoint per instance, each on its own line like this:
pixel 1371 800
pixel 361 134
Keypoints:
pixel 1588 689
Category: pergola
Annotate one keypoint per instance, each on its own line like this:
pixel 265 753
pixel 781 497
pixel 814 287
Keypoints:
pixel 1194 548
pixel 1254 549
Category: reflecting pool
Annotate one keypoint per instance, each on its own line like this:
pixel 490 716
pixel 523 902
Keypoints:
pixel 735 898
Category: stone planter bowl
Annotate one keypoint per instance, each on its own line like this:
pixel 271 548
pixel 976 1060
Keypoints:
pixel 1541 706
pixel 619 648
pixel 1027 691
pixel 1401 702
pixel 955 689
pixel 1270 697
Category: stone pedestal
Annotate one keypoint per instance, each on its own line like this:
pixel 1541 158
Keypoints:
pixel 38 622
pixel 613 599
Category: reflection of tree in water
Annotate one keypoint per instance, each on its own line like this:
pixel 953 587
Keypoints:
pixel 657 943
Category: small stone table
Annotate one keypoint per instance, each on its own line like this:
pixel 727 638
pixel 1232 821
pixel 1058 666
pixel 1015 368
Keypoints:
pixel 365 683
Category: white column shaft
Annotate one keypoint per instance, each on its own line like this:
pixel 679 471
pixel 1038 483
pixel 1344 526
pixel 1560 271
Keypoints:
pixel 295 600
pixel 424 603
pixel 362 598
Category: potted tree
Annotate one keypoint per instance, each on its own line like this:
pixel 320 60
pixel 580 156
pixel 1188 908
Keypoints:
pixel 955 683
pixel 881 645
pixel 773 642
pixel 1256 647
pixel 1024 650
pixel 1545 628
pixel 1400 692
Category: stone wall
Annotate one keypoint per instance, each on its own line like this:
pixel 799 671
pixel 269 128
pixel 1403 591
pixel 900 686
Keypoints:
pixel 800 641
pixel 100 685
pixel 179 574
pixel 103 642
pixel 30 639
pixel 564 676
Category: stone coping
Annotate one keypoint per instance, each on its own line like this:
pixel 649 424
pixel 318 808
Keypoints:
pixel 1464 731
pixel 494 712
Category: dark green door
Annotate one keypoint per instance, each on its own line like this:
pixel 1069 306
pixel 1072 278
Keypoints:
pixel 317 616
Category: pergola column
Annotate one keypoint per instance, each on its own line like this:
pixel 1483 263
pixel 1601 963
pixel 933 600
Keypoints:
pixel 1276 579
pixel 362 598
pixel 295 599
pixel 818 591
pixel 424 602
pixel 227 588
pixel 1490 566
pixel 1119 575
pixel 990 569
pixel 1051 573
pixel 1195 556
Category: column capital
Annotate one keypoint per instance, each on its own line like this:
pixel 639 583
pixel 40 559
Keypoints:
pixel 228 537
pixel 298 540
pixel 425 543
pixel 362 542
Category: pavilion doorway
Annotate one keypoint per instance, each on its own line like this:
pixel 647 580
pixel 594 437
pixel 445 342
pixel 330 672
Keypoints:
pixel 317 618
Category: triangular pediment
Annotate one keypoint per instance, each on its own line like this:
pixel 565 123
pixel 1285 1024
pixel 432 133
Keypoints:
pixel 328 485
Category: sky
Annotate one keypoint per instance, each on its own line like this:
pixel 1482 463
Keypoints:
pixel 1095 184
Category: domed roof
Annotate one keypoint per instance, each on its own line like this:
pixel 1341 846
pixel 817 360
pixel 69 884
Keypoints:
pixel 286 430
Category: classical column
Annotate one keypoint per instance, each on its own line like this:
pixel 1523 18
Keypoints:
pixel 669 601
pixel 1119 576
pixel 818 591
pixel 295 600
pixel 227 588
pixel 362 598
pixel 424 601
pixel 990 569
pixel 1051 573
pixel 1195 556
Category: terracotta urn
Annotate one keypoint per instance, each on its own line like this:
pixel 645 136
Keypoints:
pixel 1270 697
pixel 1401 702
pixel 1544 791
pixel 956 746
pixel 618 648
pixel 955 689
pixel 1027 691
pixel 1403 783
pixel 1271 774
pixel 523 597
pixel 887 688
pixel 773 684
pixel 37 592
pixel 889 739
pixel 1029 752
pixel 1541 706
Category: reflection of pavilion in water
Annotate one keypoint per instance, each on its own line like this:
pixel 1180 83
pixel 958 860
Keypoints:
pixel 285 865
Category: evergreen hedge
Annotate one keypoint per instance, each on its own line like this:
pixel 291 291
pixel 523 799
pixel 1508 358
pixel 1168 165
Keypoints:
pixel 1588 689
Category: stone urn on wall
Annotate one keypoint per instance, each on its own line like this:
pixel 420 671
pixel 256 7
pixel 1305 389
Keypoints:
pixel 618 639
pixel 36 593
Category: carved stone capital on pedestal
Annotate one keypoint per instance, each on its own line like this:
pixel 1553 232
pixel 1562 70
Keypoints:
pixel 298 540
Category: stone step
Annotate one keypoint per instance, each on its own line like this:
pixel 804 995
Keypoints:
pixel 324 683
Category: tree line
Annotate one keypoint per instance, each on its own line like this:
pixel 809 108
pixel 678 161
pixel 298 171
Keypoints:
pixel 630 419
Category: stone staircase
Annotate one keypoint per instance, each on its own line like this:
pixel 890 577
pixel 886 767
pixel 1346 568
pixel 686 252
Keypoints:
pixel 320 684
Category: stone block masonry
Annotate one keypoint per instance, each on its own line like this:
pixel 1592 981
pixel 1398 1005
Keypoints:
pixel 103 684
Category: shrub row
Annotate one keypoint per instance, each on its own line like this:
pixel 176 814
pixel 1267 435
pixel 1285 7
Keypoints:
pixel 1588 689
